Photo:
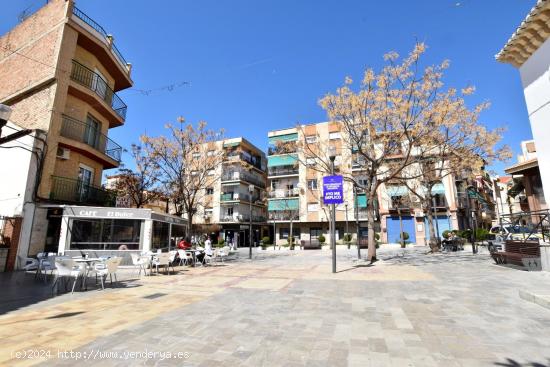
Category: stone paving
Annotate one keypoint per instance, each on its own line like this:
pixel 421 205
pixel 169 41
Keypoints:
pixel 288 309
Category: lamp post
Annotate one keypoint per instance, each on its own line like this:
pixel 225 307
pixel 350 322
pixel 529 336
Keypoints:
pixel 250 192
pixel 332 156
pixel 356 221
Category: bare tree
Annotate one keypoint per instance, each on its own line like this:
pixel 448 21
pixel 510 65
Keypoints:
pixel 138 185
pixel 189 162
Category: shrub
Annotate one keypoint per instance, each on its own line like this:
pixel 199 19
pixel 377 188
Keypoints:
pixel 347 237
pixel 481 234
pixel 322 239
pixel 266 240
pixel 465 233
pixel 221 241
pixel 446 234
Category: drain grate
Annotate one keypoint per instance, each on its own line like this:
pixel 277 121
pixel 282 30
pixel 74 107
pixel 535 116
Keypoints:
pixel 155 295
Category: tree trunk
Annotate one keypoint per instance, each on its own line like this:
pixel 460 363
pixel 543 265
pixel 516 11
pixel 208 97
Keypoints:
pixel 401 239
pixel 371 253
pixel 290 237
pixel 432 241
pixel 189 223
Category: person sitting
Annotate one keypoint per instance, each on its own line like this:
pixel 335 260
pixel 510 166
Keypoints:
pixel 184 244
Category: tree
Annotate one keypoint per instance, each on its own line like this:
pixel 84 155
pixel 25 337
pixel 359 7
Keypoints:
pixel 285 211
pixel 139 185
pixel 456 145
pixel 189 162
pixel 384 119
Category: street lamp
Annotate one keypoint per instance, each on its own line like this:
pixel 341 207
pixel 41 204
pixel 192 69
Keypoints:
pixel 331 151
pixel 250 192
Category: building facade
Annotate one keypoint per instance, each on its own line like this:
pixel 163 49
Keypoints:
pixel 60 73
pixel 295 194
pixel 237 198
pixel 528 185
pixel 528 49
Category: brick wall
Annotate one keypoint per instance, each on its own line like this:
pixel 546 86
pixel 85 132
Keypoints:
pixel 10 235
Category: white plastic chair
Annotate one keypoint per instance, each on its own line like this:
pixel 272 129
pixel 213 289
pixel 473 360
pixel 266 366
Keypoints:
pixel 109 267
pixel 162 259
pixel 140 261
pixel 46 262
pixel 67 268
pixel 27 263
pixel 185 257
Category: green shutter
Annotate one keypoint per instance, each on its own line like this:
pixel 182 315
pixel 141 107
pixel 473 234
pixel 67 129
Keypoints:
pixel 361 200
pixel 284 138
pixel 283 204
pixel 438 189
pixel 282 160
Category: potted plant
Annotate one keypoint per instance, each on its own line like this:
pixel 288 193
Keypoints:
pixel 322 240
pixel 265 242
pixel 403 239
pixel 377 239
pixel 446 234
pixel 347 239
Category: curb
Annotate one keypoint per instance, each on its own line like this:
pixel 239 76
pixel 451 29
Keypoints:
pixel 542 300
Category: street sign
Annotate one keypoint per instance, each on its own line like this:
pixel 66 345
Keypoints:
pixel 333 190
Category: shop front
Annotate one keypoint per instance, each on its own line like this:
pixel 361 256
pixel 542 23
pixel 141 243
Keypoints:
pixel 101 231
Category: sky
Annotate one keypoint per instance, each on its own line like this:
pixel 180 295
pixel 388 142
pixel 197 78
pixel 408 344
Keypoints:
pixel 251 66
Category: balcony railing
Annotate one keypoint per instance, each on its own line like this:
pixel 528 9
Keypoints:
pixel 241 218
pixel 91 80
pixel 99 29
pixel 282 149
pixel 76 191
pixel 284 193
pixel 88 134
pixel 282 215
pixel 254 161
pixel 237 196
pixel 244 176
pixel 283 170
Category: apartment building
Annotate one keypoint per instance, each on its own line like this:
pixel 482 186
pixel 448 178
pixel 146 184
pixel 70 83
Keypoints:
pixel 295 193
pixel 60 73
pixel 238 196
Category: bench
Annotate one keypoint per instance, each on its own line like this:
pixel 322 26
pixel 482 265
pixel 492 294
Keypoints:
pixel 310 245
pixel 521 253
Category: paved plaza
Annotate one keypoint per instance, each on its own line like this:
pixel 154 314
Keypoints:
pixel 287 309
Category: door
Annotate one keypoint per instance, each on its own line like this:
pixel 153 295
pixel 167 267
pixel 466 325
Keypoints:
pixel 393 228
pixel 91 132
pixel 442 223
pixel 85 180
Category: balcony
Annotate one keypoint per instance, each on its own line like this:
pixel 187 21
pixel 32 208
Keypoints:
pixel 283 216
pixel 101 33
pixel 236 196
pixel 242 218
pixel 278 193
pixel 75 191
pixel 239 156
pixel 91 80
pixel 283 148
pixel 87 134
pixel 243 176
pixel 283 171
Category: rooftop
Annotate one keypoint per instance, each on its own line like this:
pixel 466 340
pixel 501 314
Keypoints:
pixel 528 37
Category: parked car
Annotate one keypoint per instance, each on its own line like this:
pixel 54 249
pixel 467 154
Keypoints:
pixel 514 232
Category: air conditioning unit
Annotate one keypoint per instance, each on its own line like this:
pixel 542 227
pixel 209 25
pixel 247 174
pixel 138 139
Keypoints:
pixel 63 153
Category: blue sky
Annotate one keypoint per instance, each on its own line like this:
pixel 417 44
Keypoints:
pixel 255 66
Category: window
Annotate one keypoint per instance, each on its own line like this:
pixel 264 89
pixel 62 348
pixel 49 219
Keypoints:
pixel 274 184
pixel 208 212
pixel 312 184
pixel 314 233
pixel 160 235
pixel 313 207
pixel 210 153
pixel 209 191
pixel 363 182
pixel 105 234
pixel 337 160
pixel 196 155
pixel 211 172
pixel 310 161
pixel 229 211
pixel 334 135
pixel 283 233
pixel 194 173
pixel 311 139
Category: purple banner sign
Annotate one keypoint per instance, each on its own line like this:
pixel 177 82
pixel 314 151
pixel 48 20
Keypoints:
pixel 333 190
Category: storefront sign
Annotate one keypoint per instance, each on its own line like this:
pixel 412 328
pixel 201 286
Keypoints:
pixel 333 190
